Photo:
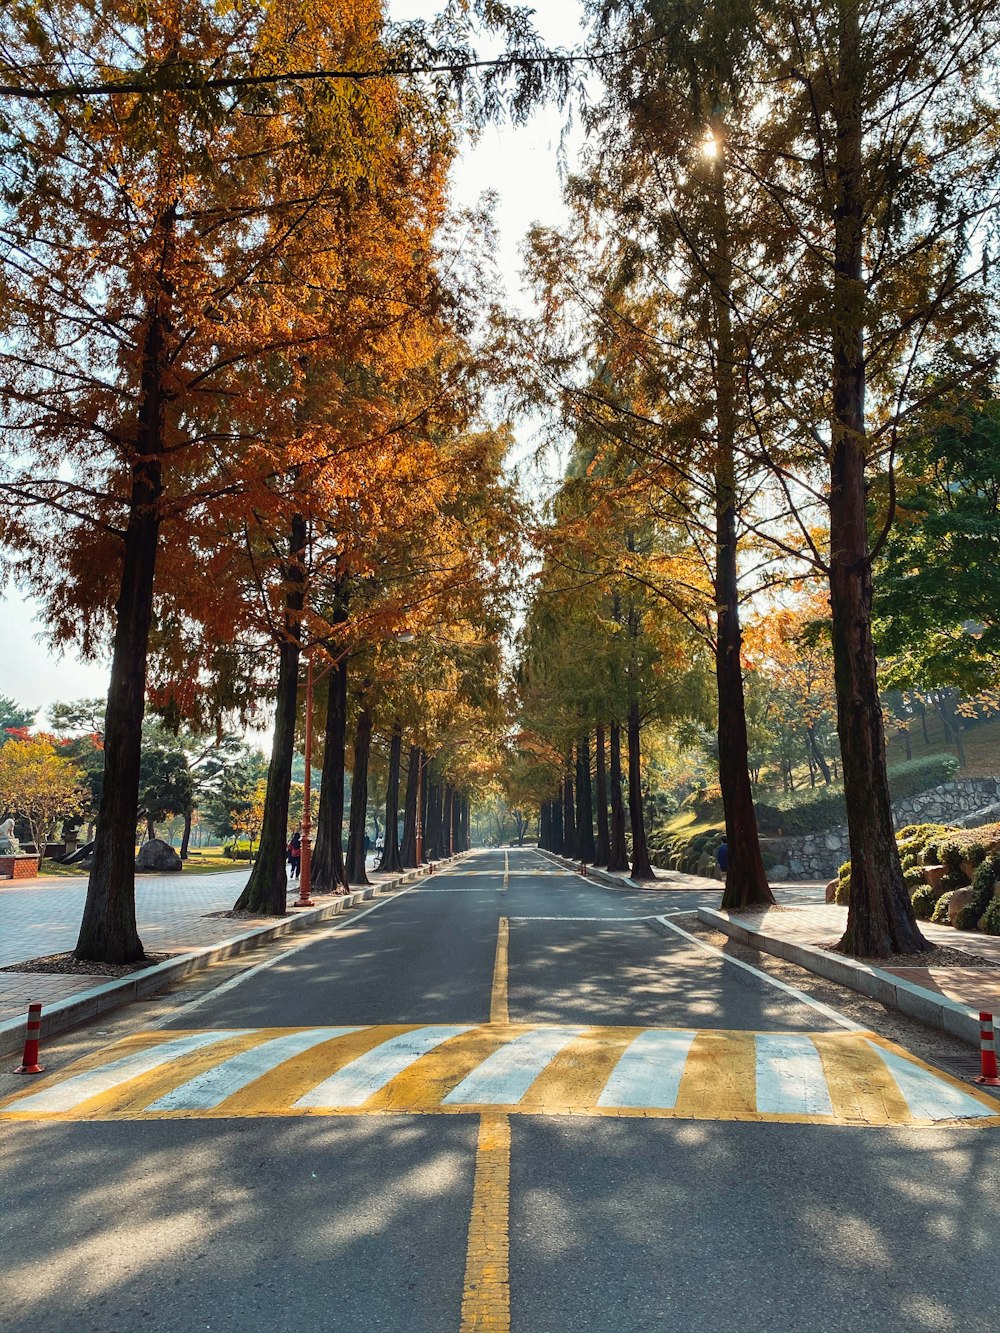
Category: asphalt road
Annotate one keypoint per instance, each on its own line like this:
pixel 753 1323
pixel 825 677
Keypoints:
pixel 459 1141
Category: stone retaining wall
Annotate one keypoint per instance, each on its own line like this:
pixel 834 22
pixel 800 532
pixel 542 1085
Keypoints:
pixel 967 802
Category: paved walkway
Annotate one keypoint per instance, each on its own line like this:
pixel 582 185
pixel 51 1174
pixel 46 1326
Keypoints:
pixel 821 925
pixel 42 916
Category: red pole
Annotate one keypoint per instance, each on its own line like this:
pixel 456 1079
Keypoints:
pixel 305 864
pixel 29 1060
pixel 987 1052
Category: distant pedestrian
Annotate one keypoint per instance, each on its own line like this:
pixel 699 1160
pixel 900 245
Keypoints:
pixel 295 853
pixel 722 858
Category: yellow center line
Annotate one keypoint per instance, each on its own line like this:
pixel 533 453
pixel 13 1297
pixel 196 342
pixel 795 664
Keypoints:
pixel 498 998
pixel 506 873
pixel 486 1293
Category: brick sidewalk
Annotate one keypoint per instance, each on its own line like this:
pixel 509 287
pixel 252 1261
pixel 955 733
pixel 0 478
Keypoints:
pixel 43 916
pixel 822 925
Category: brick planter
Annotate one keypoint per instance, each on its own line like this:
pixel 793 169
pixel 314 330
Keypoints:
pixel 18 867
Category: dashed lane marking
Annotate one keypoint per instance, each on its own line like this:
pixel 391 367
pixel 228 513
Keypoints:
pixel 827 1078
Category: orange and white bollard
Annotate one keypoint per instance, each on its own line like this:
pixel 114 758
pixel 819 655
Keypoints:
pixel 29 1060
pixel 988 1052
pixel 583 867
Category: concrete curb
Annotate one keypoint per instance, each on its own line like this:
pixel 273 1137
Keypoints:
pixel 61 1015
pixel 936 1011
pixel 619 881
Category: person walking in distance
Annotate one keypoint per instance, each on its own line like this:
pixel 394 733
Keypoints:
pixel 295 853
pixel 722 858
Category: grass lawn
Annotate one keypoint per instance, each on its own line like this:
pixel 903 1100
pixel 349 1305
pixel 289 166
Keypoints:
pixel 205 861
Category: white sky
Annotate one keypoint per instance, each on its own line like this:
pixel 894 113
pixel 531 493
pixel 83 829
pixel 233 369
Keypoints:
pixel 519 165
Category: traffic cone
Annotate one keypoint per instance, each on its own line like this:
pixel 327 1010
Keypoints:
pixel 29 1060
pixel 987 1052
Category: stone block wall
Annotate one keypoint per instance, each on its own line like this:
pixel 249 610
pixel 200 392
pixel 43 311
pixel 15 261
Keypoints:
pixel 967 802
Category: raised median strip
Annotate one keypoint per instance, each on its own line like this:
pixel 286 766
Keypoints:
pixel 894 992
pixel 61 1015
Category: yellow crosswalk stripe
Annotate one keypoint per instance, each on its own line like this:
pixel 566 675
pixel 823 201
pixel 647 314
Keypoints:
pixel 845 1078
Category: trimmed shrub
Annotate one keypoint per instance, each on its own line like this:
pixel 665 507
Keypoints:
pixel 923 900
pixel 991 918
pixel 985 877
pixel 940 913
pixel 913 877
pixel 976 853
pixel 951 854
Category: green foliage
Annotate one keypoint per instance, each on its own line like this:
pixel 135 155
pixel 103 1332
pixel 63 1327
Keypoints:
pixel 919 775
pixel 976 853
pixel 990 923
pixel 923 900
pixel 940 913
pixel 951 854
pixel 239 851
pixel 14 716
pixel 983 881
pixel 913 877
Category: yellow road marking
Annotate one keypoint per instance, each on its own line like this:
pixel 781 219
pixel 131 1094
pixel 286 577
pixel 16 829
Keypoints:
pixel 506 873
pixel 486 1293
pixel 861 1088
pixel 498 1000
pixel 719 1080
pixel 576 1077
pixel 718 1083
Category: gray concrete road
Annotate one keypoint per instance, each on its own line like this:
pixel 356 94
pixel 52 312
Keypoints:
pixel 499 1100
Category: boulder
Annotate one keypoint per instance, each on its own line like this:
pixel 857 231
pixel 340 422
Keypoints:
pixel 777 873
pixel 959 899
pixel 159 856
pixel 933 875
pixel 830 893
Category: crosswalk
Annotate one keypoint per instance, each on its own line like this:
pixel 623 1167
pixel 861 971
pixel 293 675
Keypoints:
pixel 824 1078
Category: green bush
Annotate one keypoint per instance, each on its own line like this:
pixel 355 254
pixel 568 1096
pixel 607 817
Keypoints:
pixel 991 918
pixel 940 913
pixel 919 775
pixel 951 854
pixel 976 853
pixel 923 900
pixel 238 852
pixel 983 880
pixel 913 877
pixel 931 854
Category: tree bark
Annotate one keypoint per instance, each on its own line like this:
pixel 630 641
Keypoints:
pixel 267 888
pixel 356 870
pixel 569 847
pixel 641 868
pixel 186 835
pixel 408 850
pixel 585 846
pixel 818 755
pixel 746 880
pixel 880 918
pixel 603 829
pixel 108 931
pixel 328 874
pixel 391 859
pixel 557 825
pixel 618 851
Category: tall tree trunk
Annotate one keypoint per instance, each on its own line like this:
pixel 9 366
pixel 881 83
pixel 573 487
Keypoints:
pixel 817 754
pixel 557 824
pixel 391 859
pixel 641 868
pixel 603 830
pixel 618 851
pixel 585 845
pixel 328 874
pixel 327 871
pixel 108 931
pixel 432 824
pixel 186 835
pixel 267 888
pixel 356 870
pixel 569 848
pixel 425 805
pixel 880 918
pixel 746 880
pixel 408 850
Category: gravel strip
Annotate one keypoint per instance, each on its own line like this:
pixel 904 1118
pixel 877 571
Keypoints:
pixel 66 963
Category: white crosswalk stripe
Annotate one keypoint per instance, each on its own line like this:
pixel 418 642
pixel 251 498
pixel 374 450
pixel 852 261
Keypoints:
pixel 929 1097
pixel 79 1089
pixel 505 1076
pixel 369 1073
pixel 790 1078
pixel 210 1088
pixel 649 1072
